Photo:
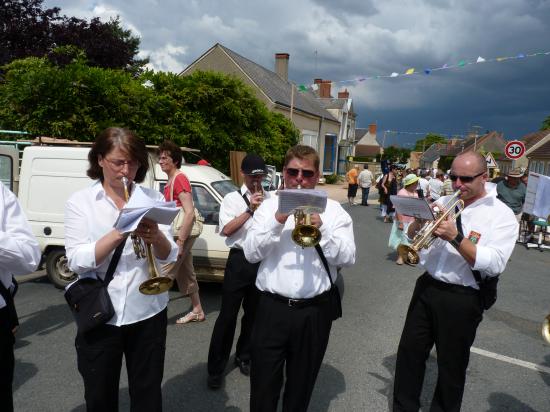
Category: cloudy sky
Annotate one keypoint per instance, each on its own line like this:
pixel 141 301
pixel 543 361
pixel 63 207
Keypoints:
pixel 352 39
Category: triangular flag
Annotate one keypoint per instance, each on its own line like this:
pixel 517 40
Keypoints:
pixel 302 88
pixel 427 71
pixel 445 66
pixel 499 59
pixel 410 71
pixel 394 74
pixel 480 59
pixel 520 56
pixel 461 63
pixel 315 87
pixel 362 79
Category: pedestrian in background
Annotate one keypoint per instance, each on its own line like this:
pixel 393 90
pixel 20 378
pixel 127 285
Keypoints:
pixel 389 186
pixel 352 176
pixel 511 192
pixel 19 255
pixel 178 189
pixel 435 186
pixel 365 181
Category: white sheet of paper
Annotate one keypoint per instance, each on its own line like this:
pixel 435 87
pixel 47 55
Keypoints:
pixel 311 200
pixel 531 192
pixel 412 206
pixel 140 206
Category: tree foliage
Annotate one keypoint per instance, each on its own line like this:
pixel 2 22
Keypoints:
pixel 424 144
pixel 27 30
pixel 208 111
pixel 396 154
pixel 545 124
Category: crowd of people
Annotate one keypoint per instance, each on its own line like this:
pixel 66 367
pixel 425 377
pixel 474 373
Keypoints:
pixel 285 289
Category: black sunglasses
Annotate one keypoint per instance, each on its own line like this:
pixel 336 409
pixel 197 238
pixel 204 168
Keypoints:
pixel 464 179
pixel 305 173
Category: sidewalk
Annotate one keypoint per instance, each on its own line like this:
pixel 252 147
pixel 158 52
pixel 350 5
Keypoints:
pixel 337 191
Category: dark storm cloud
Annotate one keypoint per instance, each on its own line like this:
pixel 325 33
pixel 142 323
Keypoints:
pixel 349 39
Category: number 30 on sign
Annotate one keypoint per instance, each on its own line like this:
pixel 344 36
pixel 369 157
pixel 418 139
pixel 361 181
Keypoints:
pixel 514 149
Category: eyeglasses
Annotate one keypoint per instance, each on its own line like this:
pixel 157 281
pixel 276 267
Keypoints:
pixel 119 164
pixel 295 172
pixel 464 179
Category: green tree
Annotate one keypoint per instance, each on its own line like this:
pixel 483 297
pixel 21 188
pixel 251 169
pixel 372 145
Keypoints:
pixel 431 138
pixel 396 154
pixel 545 124
pixel 209 111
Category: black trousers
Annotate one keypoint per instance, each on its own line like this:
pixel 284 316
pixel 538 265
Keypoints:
pixel 99 353
pixel 6 361
pixel 292 340
pixel 238 288
pixel 447 315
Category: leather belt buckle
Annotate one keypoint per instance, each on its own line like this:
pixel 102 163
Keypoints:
pixel 294 302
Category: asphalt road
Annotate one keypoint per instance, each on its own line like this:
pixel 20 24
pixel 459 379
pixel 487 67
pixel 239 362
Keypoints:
pixel 509 367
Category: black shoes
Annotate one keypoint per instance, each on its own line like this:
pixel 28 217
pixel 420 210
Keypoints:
pixel 214 381
pixel 244 366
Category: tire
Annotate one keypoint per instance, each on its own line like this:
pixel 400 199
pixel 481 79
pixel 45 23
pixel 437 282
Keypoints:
pixel 57 269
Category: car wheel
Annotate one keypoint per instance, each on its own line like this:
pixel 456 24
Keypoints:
pixel 58 270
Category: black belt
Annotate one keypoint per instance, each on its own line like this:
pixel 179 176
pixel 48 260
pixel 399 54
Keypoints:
pixel 467 290
pixel 323 297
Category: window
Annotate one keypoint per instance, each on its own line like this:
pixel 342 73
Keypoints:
pixel 224 187
pixel 310 140
pixel 206 204
pixel 6 167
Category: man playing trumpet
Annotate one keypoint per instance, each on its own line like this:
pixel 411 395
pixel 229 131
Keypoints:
pixel 446 307
pixel 236 214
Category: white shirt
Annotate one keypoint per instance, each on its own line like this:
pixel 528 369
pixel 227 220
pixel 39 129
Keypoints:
pixel 498 230
pixel 19 250
pixel 435 186
pixel 89 215
pixel 423 184
pixel 365 178
pixel 233 205
pixel 288 269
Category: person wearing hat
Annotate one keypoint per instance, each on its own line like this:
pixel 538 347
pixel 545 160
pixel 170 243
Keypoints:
pixel 236 213
pixel 398 233
pixel 511 192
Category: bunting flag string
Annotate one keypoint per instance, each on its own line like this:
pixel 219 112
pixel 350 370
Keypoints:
pixel 413 71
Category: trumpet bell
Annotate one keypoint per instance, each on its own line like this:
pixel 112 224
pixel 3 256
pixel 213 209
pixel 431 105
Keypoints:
pixel 156 285
pixel 408 254
pixel 546 329
pixel 306 235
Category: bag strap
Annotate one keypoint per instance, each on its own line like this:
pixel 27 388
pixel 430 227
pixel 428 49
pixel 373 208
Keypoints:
pixel 476 273
pixel 114 262
pixel 10 304
pixel 172 186
pixel 325 263
pixel 246 199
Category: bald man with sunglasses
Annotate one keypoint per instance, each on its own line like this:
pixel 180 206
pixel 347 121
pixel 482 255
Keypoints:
pixel 294 317
pixel 447 307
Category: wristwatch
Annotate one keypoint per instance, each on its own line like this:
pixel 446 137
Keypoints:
pixel 457 240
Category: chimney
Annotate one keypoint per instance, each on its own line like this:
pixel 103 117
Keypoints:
pixel 372 128
pixel 345 95
pixel 281 65
pixel 324 91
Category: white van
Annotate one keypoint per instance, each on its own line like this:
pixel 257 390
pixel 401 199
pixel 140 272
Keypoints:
pixel 48 175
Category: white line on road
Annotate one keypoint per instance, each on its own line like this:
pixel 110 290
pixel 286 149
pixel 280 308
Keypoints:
pixel 513 361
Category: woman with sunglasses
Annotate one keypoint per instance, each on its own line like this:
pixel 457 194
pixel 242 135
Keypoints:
pixel 447 305
pixel 137 331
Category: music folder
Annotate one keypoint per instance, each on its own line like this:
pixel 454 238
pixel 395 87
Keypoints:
pixel 412 206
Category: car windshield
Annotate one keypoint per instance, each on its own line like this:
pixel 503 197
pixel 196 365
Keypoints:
pixel 224 187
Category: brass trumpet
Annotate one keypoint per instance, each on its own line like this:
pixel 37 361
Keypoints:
pixel 425 237
pixel 155 284
pixel 257 190
pixel 304 233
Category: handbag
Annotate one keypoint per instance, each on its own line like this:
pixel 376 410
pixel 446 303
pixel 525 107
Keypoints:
pixel 198 220
pixel 89 299
pixel 334 293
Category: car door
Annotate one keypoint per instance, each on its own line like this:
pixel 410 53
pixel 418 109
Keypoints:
pixel 9 167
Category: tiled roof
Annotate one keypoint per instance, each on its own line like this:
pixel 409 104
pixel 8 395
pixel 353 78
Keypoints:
pixel 533 138
pixel 333 103
pixel 277 89
pixel 542 152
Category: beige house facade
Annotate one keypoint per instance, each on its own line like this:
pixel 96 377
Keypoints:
pixel 318 127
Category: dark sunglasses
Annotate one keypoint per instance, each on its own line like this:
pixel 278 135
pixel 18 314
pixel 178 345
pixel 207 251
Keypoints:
pixel 305 173
pixel 464 179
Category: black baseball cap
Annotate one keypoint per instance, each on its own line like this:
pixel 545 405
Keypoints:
pixel 253 165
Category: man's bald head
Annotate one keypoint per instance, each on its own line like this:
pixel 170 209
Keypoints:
pixel 473 159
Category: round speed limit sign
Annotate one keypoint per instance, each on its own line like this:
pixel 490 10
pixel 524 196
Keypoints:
pixel 514 149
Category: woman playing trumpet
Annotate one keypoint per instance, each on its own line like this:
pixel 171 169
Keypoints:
pixel 137 331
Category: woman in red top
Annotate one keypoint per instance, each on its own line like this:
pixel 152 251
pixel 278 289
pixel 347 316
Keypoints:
pixel 170 158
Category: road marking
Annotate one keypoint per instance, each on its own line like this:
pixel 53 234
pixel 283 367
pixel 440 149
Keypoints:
pixel 513 361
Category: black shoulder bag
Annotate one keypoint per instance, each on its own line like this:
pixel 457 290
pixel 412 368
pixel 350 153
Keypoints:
pixel 10 304
pixel 89 299
pixel 334 293
pixel 487 285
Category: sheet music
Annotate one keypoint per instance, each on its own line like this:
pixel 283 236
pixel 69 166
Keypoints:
pixel 311 200
pixel 140 206
pixel 412 206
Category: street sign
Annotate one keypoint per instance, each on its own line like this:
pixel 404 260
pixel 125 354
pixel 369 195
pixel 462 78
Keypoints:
pixel 491 164
pixel 514 149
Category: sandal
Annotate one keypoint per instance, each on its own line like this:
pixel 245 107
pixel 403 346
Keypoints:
pixel 191 317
